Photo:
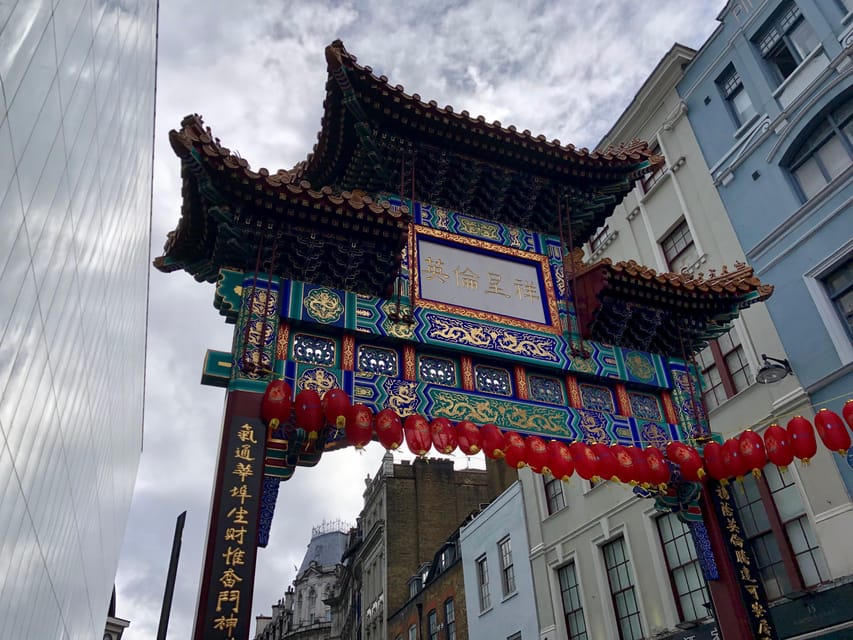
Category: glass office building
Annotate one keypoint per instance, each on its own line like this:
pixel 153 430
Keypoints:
pixel 76 141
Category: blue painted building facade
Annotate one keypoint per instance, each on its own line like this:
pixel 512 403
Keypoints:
pixel 770 100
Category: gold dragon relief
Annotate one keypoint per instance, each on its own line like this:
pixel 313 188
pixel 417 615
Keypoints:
pixel 492 338
pixel 654 434
pixel 324 305
pixel 592 426
pixel 318 379
pixel 402 396
pixel 505 414
pixel 263 302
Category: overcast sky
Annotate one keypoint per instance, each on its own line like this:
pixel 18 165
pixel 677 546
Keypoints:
pixel 256 71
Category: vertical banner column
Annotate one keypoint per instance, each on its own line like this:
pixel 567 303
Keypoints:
pixel 228 575
pixel 743 599
pixel 225 603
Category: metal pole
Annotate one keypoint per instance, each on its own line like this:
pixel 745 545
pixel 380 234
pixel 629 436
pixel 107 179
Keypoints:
pixel 170 579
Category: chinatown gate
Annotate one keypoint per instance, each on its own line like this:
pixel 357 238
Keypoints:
pixel 425 261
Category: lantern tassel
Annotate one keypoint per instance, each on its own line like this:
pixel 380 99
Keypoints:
pixel 756 474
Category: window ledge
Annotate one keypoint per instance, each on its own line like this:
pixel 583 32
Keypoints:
pixel 746 126
pixel 664 178
pixel 485 611
pixel 608 240
pixel 510 596
pixel 818 50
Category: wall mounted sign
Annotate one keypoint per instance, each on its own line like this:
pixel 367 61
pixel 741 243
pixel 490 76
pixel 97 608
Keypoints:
pixel 496 283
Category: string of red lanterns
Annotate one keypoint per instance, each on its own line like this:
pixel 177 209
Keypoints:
pixel 746 453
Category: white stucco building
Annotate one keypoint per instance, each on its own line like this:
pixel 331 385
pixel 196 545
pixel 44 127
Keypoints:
pixel 607 564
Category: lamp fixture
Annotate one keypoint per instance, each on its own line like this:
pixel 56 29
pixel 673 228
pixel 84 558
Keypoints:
pixel 773 370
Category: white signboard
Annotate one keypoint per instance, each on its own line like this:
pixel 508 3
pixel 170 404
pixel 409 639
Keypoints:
pixel 464 277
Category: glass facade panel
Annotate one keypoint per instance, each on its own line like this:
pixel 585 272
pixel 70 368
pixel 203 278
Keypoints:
pixel 74 280
pixel 572 608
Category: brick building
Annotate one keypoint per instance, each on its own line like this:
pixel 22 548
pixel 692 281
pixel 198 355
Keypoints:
pixel 436 605
pixel 410 511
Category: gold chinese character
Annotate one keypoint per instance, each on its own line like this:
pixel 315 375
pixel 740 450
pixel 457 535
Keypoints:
pixel 435 270
pixel 226 624
pixel 741 557
pixel 229 595
pixel 234 557
pixel 467 279
pixel 495 285
pixel 752 589
pixel 247 434
pixel 244 452
pixel 745 574
pixel 229 578
pixel 722 492
pixel 764 626
pixel 726 509
pixel 731 525
pixel 235 534
pixel 238 515
pixel 241 492
pixel 526 289
pixel 736 541
pixel 244 470
pixel 757 609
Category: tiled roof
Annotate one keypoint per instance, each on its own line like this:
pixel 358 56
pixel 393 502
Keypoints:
pixel 634 306
pixel 228 209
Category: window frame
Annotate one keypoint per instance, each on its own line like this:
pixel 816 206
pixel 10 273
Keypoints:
pixel 777 531
pixel 615 593
pixel 720 362
pixel 692 563
pixel 507 567
pixel 826 310
pixel 481 565
pixel 730 84
pixel 828 127
pixel 679 228
pixel 835 296
pixel 432 625
pixel 576 612
pixel 555 495
pixel 413 632
pixel 649 179
pixel 784 22
pixel 449 619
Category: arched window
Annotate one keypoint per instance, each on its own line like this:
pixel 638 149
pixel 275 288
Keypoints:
pixel 312 605
pixel 826 153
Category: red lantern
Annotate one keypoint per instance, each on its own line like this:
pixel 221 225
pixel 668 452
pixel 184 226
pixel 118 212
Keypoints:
pixel 733 461
pixel 277 404
pixel 777 444
pixel 847 412
pixel 713 455
pixel 308 410
pixel 560 462
pixel 832 431
pixel 624 471
pixel 536 454
pixel 803 442
pixel 642 473
pixel 418 437
pixel 493 442
pixel 516 450
pixel 688 460
pixel 659 471
pixel 335 405
pixel 586 462
pixel 389 429
pixel 468 437
pixel 606 465
pixel 443 435
pixel 359 426
pixel 752 452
